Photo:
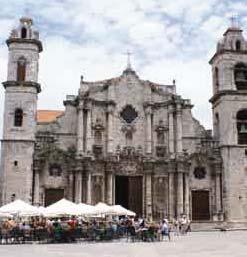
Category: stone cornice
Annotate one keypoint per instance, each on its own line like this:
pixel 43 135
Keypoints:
pixel 223 51
pixel 216 96
pixel 70 102
pixel 99 102
pixel 17 140
pixel 22 84
pixel 25 41
pixel 233 146
pixel 232 29
pixel 184 104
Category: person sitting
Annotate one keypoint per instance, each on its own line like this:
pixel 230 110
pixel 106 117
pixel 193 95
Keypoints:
pixel 142 223
pixel 131 233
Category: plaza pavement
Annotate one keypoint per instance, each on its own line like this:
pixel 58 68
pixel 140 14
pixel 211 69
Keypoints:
pixel 199 244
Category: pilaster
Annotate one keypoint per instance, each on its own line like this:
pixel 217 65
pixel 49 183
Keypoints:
pixel 80 124
pixel 179 128
pixel 89 128
pixel 89 190
pixel 148 112
pixel 171 128
pixel 110 132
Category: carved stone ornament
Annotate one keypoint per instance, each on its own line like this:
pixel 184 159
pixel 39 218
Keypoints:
pixel 200 172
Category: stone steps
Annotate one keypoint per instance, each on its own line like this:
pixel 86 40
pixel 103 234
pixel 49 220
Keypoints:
pixel 218 226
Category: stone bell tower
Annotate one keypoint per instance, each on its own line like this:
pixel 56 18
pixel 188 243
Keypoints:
pixel 229 105
pixel 21 90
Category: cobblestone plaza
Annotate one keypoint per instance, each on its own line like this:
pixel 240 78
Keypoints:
pixel 205 244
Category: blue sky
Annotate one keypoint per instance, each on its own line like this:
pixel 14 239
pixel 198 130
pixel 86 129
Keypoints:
pixel 169 39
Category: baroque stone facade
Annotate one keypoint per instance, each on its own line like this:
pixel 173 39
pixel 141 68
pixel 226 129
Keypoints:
pixel 126 140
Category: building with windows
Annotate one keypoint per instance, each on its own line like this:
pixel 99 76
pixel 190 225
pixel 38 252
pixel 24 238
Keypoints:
pixel 128 141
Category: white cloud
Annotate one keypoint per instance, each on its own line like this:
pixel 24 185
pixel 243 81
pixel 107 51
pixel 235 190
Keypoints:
pixel 170 39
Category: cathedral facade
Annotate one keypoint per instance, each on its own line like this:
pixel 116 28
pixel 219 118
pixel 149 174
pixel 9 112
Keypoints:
pixel 126 140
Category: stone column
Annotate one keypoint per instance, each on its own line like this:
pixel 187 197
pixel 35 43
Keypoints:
pixel 89 183
pixel 217 191
pixel 171 129
pixel 113 189
pixel 187 195
pixel 36 187
pixel 109 188
pixel 171 195
pixel 70 186
pixel 180 194
pixel 149 130
pixel 179 129
pixel 149 196
pixel 89 131
pixel 78 192
pixel 80 124
pixel 110 132
pixel 103 186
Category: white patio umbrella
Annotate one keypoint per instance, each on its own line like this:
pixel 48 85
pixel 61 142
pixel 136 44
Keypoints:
pixel 102 209
pixel 41 209
pixel 120 210
pixel 5 215
pixel 20 208
pixel 61 208
pixel 86 209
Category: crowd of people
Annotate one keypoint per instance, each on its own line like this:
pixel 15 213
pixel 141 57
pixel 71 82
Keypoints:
pixel 73 229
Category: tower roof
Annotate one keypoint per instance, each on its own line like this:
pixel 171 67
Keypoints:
pixel 25 33
pixel 231 42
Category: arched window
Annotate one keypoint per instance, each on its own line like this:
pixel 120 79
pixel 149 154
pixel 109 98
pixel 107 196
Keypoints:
pixel 240 76
pixel 21 69
pixel 216 77
pixel 242 127
pixel 238 45
pixel 23 32
pixel 18 119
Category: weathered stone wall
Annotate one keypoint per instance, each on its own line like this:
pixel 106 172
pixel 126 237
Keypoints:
pixel 17 170
pixel 26 99
pixel 235 183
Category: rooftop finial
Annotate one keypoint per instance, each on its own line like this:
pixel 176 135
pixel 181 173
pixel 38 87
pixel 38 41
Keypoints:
pixel 174 86
pixel 234 21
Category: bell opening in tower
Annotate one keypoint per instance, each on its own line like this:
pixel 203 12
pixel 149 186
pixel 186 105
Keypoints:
pixel 23 32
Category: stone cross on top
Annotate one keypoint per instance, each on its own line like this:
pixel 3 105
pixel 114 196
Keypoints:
pixel 234 21
pixel 128 53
